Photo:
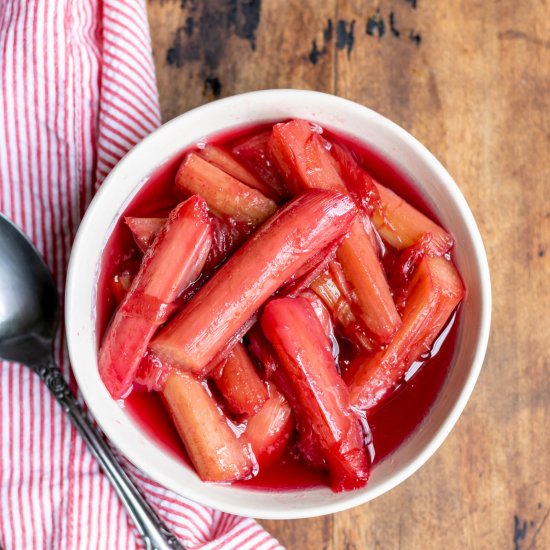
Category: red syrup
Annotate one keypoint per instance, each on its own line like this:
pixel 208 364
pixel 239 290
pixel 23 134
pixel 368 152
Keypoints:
pixel 390 424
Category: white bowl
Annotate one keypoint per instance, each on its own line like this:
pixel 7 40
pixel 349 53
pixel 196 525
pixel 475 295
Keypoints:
pixel 401 150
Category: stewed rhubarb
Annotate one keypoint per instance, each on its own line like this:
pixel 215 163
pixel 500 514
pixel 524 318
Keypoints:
pixel 340 307
pixel 255 153
pixel 171 263
pixel 215 449
pixel 270 430
pixel 319 396
pixel 226 236
pixel 432 296
pixel 240 385
pixel 216 315
pixel 291 322
pixel 225 161
pixel 144 230
pixel 401 225
pixel 225 195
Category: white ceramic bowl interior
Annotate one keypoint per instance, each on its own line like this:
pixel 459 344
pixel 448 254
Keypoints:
pixel 346 117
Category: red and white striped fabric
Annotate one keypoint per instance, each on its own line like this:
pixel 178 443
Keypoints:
pixel 77 90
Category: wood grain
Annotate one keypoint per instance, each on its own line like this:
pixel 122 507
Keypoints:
pixel 471 80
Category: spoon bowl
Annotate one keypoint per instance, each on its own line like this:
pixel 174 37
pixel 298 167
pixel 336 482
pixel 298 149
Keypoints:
pixel 29 305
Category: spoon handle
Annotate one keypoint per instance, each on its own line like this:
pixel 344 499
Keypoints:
pixel 155 534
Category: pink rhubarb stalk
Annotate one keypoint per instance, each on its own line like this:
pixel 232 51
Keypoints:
pixel 173 261
pixel 434 292
pixel 318 395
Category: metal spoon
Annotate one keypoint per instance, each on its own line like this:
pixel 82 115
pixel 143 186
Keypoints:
pixel 29 314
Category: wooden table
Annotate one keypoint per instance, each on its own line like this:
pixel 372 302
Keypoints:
pixel 471 80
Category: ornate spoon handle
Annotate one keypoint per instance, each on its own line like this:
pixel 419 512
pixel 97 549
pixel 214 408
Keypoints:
pixel 155 534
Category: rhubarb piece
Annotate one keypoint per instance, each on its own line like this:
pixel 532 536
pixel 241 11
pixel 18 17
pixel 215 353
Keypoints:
pixel 375 239
pixel 303 159
pixel 172 262
pixel 229 300
pixel 144 230
pixel 269 430
pixel 319 394
pixel 260 349
pixel 125 344
pixel 302 279
pixel 401 225
pixel 120 284
pixel 254 152
pixel 403 266
pixel 361 188
pixel 224 160
pixel 264 352
pixel 321 311
pixel 239 383
pixel 308 447
pixel 177 254
pixel 359 183
pixel 337 273
pixel 227 234
pixel 364 272
pixel 326 288
pixel 433 294
pixel 225 195
pixel 152 373
pixel 212 445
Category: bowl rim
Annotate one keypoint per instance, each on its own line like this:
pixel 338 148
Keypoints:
pixel 72 314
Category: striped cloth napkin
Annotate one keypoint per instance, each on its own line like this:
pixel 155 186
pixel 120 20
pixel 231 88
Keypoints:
pixel 77 90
